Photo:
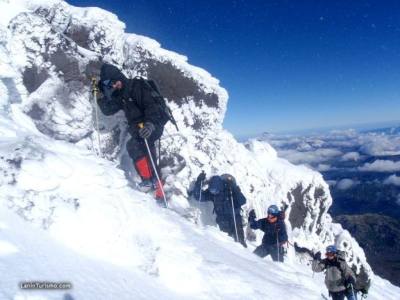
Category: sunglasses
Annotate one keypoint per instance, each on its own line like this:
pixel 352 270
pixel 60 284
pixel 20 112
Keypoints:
pixel 330 254
pixel 108 88
pixel 108 84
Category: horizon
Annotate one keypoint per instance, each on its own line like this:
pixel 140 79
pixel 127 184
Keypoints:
pixel 286 65
pixel 326 129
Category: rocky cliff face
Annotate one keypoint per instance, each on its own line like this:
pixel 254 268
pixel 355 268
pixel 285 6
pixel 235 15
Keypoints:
pixel 52 50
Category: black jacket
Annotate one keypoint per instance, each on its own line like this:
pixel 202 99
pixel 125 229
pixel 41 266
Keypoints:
pixel 135 99
pixel 222 200
pixel 273 232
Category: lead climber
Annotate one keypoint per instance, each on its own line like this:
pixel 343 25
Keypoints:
pixel 228 200
pixel 146 117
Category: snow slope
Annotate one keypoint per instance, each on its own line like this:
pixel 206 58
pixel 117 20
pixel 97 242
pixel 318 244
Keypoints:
pixel 83 220
pixel 112 242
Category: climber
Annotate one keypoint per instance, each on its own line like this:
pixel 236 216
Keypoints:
pixel 339 278
pixel 138 101
pixel 275 236
pixel 227 198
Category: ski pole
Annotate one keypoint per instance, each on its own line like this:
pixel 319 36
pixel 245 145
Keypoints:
pixel 154 168
pixel 94 93
pixel 234 217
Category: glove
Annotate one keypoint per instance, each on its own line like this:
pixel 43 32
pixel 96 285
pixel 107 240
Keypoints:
pixel 147 130
pixel 201 177
pixel 317 256
pixel 364 295
pixel 350 282
pixel 252 215
pixel 284 248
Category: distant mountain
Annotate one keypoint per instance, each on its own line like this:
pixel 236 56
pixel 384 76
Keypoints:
pixel 380 238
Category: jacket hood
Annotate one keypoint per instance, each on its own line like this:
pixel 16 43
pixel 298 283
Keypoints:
pixel 111 72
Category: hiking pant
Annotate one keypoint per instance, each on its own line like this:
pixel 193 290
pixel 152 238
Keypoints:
pixel 137 150
pixel 226 224
pixel 264 250
pixel 136 146
pixel 341 295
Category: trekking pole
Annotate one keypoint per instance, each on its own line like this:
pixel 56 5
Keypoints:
pixel 159 153
pixel 352 291
pixel 199 213
pixel 154 168
pixel 201 188
pixel 234 217
pixel 277 245
pixel 95 90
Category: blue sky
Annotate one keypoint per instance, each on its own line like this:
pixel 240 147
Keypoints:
pixel 287 65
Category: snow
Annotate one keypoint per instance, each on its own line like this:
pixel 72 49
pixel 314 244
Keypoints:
pixel 120 245
pixel 8 11
pixel 119 236
pixel 69 215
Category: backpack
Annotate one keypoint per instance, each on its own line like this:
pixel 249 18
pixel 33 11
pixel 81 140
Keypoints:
pixel 165 111
pixel 216 184
pixel 363 282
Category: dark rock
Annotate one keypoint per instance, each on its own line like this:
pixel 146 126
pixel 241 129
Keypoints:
pixel 33 78
pixel 379 236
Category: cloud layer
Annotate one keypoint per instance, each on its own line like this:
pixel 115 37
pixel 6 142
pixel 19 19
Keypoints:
pixel 381 166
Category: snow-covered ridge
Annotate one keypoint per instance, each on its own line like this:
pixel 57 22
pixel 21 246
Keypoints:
pixel 50 175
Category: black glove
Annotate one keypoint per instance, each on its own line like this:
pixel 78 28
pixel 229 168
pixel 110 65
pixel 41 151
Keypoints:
pixel 317 256
pixel 147 130
pixel 350 281
pixel 201 177
pixel 252 216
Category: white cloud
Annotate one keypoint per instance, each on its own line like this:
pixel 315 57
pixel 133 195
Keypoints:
pixel 345 184
pixel 381 166
pixel 331 182
pixel 310 157
pixel 393 179
pixel 379 145
pixel 323 167
pixel 354 156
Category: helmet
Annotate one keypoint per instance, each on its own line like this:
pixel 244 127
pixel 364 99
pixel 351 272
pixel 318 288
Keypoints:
pixel 215 185
pixel 331 249
pixel 273 210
